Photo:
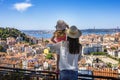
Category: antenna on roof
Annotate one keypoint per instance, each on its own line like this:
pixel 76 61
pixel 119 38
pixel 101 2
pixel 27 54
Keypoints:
pixel 117 29
pixel 94 27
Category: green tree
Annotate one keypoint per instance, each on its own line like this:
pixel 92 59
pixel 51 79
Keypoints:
pixel 113 48
pixel 119 60
pixel 12 32
pixel 109 65
pixel 1 48
pixel 49 56
pixel 105 49
pixel 98 53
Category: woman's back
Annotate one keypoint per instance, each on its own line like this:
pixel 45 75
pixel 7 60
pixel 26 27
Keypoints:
pixel 67 60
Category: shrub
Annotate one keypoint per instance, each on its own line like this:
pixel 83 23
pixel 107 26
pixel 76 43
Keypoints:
pixel 113 48
pixel 46 41
pixel 112 57
pixel 105 50
pixel 109 65
pixel 119 60
pixel 98 53
pixel 49 56
pixel 1 48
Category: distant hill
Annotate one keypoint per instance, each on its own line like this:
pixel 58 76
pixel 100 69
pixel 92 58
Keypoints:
pixel 11 32
pixel 83 30
pixel 102 30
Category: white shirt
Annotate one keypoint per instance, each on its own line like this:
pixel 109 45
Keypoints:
pixel 67 61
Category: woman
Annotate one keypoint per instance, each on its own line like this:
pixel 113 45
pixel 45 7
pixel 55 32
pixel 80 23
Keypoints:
pixel 68 52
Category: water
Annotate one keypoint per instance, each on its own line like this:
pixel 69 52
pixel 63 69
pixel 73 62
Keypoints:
pixel 49 33
pixel 39 33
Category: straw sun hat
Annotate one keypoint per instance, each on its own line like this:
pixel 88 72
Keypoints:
pixel 73 32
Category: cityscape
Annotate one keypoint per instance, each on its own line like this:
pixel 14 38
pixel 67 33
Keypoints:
pixel 28 29
pixel 100 53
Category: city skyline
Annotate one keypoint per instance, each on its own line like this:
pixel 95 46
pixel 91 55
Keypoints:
pixel 43 14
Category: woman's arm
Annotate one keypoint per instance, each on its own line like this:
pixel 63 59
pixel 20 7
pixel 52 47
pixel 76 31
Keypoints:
pixel 55 48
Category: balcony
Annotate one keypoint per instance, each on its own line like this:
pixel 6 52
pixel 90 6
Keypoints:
pixel 7 73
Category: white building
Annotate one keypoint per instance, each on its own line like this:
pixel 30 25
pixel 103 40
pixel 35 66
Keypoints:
pixel 118 54
pixel 87 49
pixel 19 39
pixel 11 41
pixel 28 49
pixel 114 53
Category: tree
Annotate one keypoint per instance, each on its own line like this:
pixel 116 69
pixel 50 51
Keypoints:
pixel 105 49
pixel 113 48
pixel 12 32
pixel 109 65
pixel 46 41
pixel 119 60
pixel 49 56
pixel 1 48
pixel 98 53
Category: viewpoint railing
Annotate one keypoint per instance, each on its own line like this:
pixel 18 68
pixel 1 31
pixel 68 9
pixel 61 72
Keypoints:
pixel 7 73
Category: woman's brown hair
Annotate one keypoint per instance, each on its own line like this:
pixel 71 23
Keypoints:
pixel 74 46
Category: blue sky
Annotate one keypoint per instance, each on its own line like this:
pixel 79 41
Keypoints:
pixel 43 14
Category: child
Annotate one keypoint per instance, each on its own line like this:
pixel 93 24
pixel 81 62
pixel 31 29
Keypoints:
pixel 59 34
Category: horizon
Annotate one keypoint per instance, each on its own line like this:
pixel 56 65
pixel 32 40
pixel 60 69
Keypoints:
pixel 80 29
pixel 43 14
pixel 54 29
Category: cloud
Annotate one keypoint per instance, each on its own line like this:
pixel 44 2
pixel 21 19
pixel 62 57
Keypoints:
pixel 22 6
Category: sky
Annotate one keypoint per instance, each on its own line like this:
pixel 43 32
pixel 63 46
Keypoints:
pixel 43 14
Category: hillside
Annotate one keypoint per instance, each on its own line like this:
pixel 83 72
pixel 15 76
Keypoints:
pixel 11 32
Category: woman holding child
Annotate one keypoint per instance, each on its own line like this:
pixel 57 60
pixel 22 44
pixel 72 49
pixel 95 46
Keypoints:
pixel 68 51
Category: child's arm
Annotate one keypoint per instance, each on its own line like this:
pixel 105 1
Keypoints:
pixel 67 26
pixel 53 39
